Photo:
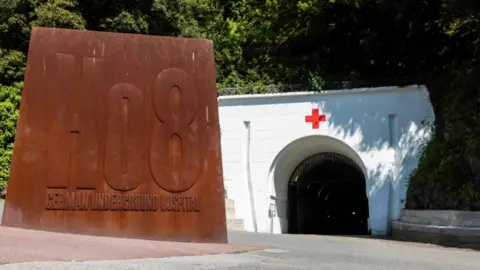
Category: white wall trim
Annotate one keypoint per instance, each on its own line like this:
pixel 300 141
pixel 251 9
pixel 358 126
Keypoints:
pixel 365 90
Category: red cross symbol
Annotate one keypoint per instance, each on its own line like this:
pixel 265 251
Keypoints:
pixel 315 118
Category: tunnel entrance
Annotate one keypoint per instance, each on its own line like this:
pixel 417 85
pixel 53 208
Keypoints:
pixel 327 195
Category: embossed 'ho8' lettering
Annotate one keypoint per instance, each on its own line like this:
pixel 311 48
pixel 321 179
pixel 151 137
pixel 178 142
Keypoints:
pixel 176 130
pixel 173 170
pixel 124 152
pixel 75 126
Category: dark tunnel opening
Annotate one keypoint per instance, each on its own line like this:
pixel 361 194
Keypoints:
pixel 327 195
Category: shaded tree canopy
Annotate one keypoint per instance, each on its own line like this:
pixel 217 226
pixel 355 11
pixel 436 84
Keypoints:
pixel 318 44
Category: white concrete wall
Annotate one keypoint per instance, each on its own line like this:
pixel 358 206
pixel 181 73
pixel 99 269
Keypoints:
pixel 381 129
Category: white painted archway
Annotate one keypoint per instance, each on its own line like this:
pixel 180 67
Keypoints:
pixel 285 163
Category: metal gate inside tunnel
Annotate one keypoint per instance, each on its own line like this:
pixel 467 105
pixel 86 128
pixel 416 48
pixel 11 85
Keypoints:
pixel 327 195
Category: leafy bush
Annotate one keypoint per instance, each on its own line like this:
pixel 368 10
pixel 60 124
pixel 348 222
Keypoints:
pixel 448 173
pixel 9 109
pixel 442 180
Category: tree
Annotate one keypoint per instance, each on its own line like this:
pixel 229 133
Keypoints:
pixel 384 42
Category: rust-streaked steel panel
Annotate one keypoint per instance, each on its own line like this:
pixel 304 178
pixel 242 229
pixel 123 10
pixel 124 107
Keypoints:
pixel 118 135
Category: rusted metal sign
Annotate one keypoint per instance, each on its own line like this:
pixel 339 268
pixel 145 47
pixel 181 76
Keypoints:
pixel 118 136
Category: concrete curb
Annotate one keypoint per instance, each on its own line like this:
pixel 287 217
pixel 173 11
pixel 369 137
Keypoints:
pixel 440 227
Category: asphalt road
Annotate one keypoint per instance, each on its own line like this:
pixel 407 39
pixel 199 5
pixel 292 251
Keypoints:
pixel 297 252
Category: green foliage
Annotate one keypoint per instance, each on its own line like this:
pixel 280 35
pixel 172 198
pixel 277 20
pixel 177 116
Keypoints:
pixel 448 174
pixel 59 14
pixel 11 66
pixel 126 23
pixel 442 180
pixel 9 108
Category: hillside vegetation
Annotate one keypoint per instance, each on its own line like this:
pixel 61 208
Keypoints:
pixel 316 44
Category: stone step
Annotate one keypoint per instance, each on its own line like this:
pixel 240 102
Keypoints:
pixel 229 203
pixel 441 235
pixel 231 213
pixel 441 218
pixel 235 224
pixel 230 208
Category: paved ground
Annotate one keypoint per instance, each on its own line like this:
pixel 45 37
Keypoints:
pixel 18 245
pixel 283 252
